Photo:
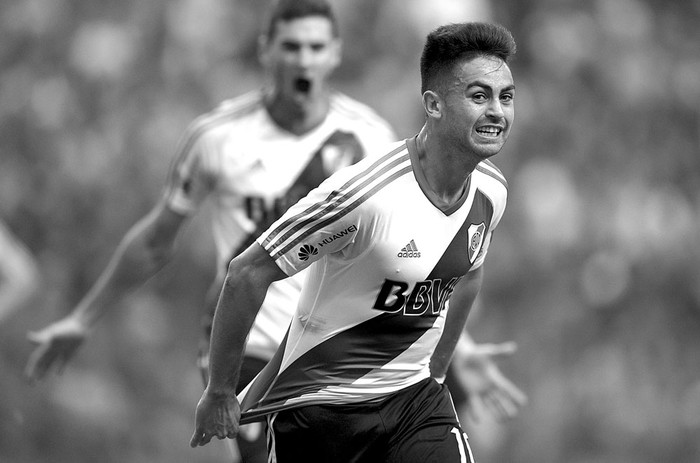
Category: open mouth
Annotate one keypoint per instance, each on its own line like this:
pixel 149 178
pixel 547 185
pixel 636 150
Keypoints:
pixel 302 85
pixel 489 131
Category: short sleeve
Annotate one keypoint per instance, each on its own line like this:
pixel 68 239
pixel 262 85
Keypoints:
pixel 190 179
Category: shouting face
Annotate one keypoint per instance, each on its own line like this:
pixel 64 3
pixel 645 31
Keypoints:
pixel 300 55
pixel 478 107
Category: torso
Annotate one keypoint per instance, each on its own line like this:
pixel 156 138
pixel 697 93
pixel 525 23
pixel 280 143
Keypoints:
pixel 385 260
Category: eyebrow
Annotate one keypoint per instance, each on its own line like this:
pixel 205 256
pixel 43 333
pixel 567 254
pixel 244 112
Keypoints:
pixel 482 84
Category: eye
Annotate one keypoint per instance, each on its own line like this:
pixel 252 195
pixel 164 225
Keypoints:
pixel 290 46
pixel 507 97
pixel 479 97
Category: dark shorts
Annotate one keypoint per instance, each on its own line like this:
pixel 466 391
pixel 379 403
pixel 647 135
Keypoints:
pixel 417 424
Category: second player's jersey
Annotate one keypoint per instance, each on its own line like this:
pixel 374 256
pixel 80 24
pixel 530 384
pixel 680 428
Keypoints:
pixel 251 170
pixel 383 258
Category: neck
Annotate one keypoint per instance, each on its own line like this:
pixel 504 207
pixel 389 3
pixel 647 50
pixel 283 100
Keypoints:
pixel 297 116
pixel 445 168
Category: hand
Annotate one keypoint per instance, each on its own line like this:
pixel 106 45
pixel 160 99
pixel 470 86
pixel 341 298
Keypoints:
pixel 215 416
pixel 56 344
pixel 489 390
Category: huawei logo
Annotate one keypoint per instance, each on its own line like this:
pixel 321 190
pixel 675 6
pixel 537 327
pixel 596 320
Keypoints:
pixel 307 251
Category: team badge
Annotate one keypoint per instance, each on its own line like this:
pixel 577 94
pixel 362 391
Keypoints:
pixel 475 237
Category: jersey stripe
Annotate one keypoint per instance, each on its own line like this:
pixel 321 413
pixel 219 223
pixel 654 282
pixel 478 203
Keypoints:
pixel 334 196
pixel 366 347
pixel 339 203
pixel 489 168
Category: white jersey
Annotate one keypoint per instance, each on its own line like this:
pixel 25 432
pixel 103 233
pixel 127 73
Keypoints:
pixel 252 170
pixel 383 259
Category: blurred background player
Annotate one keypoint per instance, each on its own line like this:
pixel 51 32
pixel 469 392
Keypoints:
pixel 251 158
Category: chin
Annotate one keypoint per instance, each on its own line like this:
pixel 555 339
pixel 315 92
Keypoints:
pixel 486 151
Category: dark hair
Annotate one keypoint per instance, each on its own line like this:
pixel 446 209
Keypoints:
pixel 453 43
pixel 287 10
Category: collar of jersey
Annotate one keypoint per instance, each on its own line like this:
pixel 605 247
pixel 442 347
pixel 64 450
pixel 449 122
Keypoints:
pixel 446 209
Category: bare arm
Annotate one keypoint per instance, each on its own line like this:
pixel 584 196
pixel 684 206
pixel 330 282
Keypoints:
pixel 19 274
pixel 489 391
pixel 249 275
pixel 461 303
pixel 143 251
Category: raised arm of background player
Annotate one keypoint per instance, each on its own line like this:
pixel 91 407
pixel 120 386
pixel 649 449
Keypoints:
pixel 143 251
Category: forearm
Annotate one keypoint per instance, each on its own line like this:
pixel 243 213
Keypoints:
pixel 460 305
pixel 248 278
pixel 138 257
pixel 233 319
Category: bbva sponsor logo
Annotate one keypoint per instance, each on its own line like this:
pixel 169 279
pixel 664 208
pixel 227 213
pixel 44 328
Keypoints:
pixel 426 297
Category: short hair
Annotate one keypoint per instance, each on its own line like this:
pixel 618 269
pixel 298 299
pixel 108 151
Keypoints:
pixel 288 10
pixel 451 44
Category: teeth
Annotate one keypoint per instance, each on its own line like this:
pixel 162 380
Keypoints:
pixel 489 130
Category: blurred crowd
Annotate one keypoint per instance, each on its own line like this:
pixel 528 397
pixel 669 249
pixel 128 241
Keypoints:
pixel 594 273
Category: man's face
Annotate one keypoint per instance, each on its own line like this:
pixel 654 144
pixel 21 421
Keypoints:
pixel 479 107
pixel 301 56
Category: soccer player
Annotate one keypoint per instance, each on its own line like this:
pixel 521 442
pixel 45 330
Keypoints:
pixel 385 243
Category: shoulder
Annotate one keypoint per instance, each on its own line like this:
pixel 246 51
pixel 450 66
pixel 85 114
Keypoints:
pixel 491 181
pixel 227 112
pixel 351 109
pixel 374 172
pixel 489 173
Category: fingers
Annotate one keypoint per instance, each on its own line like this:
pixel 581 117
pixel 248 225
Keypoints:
pixel 199 438
pixel 500 406
pixel 202 437
pixel 517 396
pixel 476 408
pixel 215 419
pixel 38 364
pixel 497 350
pixel 45 357
pixel 504 402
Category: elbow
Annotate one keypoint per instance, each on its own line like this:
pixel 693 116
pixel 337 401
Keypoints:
pixel 257 272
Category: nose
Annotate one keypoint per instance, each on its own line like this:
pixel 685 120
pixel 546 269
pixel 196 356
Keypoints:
pixel 305 56
pixel 494 109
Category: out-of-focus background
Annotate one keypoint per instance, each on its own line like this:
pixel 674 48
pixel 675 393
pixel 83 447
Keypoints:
pixel 594 271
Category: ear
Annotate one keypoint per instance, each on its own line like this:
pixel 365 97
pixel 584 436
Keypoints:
pixel 432 103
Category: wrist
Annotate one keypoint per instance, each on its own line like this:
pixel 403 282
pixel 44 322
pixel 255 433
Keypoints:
pixel 219 392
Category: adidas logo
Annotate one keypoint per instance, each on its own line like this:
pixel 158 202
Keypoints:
pixel 410 250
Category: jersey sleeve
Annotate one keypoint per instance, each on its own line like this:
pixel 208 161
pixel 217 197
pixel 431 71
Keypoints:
pixel 319 224
pixel 192 175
